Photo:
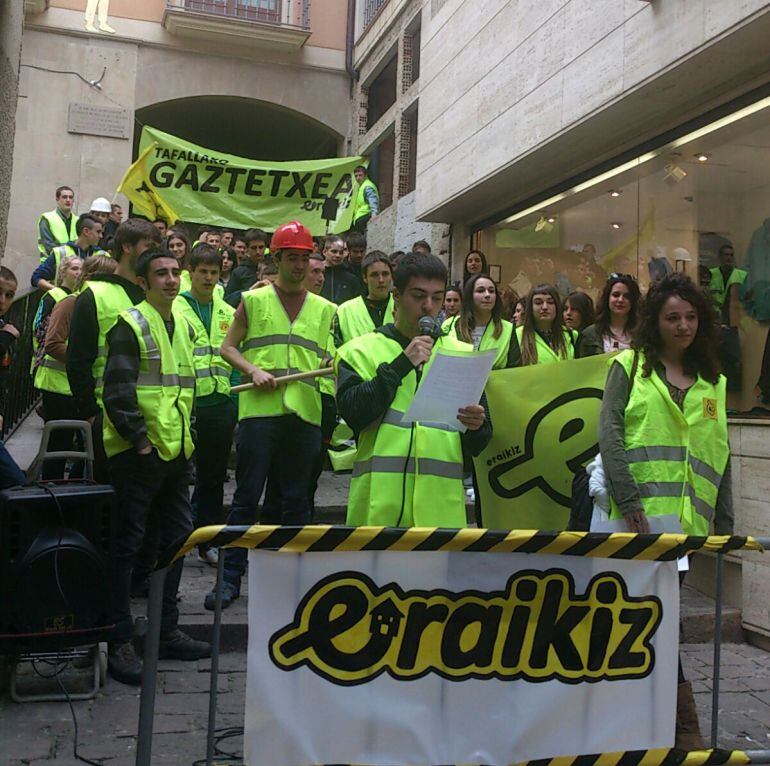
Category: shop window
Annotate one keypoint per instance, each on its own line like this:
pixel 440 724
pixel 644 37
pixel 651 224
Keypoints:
pixel 382 92
pixel 670 210
pixel 381 164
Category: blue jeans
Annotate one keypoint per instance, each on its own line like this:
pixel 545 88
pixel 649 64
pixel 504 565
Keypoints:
pixel 10 473
pixel 292 446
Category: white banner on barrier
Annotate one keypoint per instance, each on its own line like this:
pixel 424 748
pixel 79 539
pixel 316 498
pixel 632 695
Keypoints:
pixel 448 658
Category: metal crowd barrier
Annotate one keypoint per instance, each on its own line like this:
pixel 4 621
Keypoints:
pixel 16 386
pixel 666 547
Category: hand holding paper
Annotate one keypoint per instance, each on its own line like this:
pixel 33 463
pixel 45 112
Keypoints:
pixel 454 382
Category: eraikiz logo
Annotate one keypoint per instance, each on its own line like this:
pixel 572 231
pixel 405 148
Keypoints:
pixel 349 631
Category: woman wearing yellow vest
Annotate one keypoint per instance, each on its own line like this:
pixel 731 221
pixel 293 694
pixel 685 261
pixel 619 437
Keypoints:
pixel 480 324
pixel 50 374
pixel 542 337
pixel 480 321
pixel 663 431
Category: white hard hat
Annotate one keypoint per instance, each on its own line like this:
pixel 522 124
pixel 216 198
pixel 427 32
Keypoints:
pixel 680 254
pixel 101 205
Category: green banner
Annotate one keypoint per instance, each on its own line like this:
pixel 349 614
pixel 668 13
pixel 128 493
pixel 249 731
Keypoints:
pixel 545 422
pixel 205 186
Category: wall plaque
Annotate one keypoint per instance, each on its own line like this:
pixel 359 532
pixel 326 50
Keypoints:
pixel 98 120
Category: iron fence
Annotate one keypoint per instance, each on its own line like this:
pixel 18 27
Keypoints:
pixel 290 12
pixel 17 394
pixel 371 9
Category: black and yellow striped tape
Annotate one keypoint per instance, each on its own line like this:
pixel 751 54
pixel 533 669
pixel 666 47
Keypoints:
pixel 661 757
pixel 317 538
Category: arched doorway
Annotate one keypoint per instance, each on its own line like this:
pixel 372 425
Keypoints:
pixel 245 127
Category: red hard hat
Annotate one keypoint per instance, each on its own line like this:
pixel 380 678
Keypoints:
pixel 291 236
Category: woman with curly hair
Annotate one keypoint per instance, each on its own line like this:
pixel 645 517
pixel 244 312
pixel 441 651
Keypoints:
pixel 663 431
pixel 616 317
pixel 542 338
pixel 480 322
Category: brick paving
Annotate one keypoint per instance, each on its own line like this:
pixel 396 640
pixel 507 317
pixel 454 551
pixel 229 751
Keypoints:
pixel 34 734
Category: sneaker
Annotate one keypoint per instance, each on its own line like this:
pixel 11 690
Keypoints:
pixel 124 664
pixel 229 594
pixel 208 556
pixel 177 645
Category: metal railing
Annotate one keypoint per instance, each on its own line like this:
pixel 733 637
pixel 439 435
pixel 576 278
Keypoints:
pixel 17 394
pixel 371 9
pixel 281 12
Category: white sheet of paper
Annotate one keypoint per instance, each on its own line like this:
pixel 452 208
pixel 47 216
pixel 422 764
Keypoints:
pixel 658 525
pixel 452 381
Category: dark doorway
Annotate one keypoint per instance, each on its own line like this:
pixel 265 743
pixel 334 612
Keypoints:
pixel 245 127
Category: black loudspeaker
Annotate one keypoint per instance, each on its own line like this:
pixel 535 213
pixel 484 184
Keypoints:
pixel 56 544
pixel 329 208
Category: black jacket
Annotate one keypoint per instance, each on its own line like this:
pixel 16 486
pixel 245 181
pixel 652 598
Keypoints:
pixel 340 285
pixel 361 402
pixel 84 343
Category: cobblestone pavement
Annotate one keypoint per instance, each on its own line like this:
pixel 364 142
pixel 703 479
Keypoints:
pixel 40 733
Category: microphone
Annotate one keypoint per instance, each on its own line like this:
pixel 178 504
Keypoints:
pixel 429 326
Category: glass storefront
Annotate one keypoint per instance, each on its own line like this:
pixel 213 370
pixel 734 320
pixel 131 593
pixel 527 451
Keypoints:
pixel 669 209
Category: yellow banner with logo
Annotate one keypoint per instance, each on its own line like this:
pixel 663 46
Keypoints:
pixel 177 180
pixel 545 422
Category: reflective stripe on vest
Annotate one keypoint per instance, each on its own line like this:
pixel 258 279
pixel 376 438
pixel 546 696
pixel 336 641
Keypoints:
pixel 354 318
pixel 109 299
pixel 677 458
pixel 281 347
pixel 545 354
pixel 211 370
pixel 421 462
pixel 165 386
pixel 60 231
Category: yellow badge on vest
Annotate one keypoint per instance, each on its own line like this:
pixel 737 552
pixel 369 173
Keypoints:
pixel 709 408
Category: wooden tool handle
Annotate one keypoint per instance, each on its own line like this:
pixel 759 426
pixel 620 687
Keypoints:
pixel 288 379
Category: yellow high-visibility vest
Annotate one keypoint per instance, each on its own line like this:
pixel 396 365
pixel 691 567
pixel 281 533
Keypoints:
pixel 404 474
pixel 719 289
pixel 281 347
pixel 165 389
pixel 110 299
pixel 488 342
pixel 62 232
pixel 677 457
pixel 50 374
pixel 212 372
pixel 545 354
pixel 354 318
pixel 362 207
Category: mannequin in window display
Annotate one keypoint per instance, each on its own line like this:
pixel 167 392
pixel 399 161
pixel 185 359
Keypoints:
pixel 534 270
pixel 755 291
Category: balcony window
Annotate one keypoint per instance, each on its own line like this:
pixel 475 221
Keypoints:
pixel 250 23
pixel 268 11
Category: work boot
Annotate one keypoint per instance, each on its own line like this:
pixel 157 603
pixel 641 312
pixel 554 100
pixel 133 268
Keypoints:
pixel 124 664
pixel 229 594
pixel 177 645
pixel 688 735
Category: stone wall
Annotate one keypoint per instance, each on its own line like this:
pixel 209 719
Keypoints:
pixel 518 95
pixel 11 20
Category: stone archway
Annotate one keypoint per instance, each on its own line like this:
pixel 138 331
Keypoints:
pixel 241 126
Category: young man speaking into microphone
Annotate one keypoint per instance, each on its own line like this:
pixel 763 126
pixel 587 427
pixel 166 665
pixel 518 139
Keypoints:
pixel 405 474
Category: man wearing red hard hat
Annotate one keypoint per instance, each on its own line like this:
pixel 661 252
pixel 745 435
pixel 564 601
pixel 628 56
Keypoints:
pixel 280 329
